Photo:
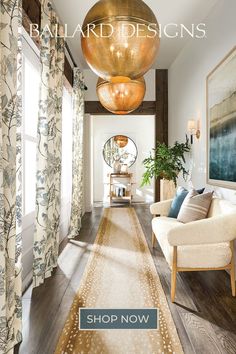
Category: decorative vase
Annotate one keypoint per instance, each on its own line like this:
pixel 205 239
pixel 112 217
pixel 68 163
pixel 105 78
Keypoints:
pixel 124 168
pixel 116 167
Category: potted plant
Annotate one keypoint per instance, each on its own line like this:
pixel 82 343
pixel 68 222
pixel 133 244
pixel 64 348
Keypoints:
pixel 166 162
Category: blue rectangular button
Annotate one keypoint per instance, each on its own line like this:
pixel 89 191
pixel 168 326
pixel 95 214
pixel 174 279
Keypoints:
pixel 100 319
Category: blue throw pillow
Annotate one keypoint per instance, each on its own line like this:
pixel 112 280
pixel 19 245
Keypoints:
pixel 178 201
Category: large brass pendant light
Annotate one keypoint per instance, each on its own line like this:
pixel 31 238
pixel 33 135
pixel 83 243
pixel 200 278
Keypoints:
pixel 121 97
pixel 131 49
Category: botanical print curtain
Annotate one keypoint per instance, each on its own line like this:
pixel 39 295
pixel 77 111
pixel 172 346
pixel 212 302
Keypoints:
pixel 46 236
pixel 10 176
pixel 77 182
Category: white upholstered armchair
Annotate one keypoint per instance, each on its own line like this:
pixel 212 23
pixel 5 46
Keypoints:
pixel 206 244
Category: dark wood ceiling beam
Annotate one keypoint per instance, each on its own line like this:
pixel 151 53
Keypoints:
pixel 95 107
pixel 161 121
pixel 162 106
pixel 32 10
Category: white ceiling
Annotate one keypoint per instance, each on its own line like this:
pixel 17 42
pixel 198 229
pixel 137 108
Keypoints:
pixel 72 12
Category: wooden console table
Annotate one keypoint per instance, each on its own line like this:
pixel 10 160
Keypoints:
pixel 115 180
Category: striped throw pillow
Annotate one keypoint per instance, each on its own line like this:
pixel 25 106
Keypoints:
pixel 195 206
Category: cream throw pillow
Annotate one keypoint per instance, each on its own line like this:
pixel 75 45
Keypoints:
pixel 195 206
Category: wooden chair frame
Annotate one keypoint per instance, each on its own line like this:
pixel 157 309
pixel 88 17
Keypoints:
pixel 175 269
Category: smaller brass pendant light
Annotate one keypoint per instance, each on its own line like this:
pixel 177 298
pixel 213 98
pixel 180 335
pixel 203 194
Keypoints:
pixel 121 97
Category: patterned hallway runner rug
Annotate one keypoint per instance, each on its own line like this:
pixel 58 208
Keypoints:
pixel 120 274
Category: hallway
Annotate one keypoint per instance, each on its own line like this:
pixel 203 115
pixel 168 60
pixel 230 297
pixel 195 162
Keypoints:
pixel 202 300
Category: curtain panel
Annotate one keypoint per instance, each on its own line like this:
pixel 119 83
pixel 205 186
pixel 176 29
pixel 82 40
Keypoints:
pixel 10 175
pixel 46 236
pixel 77 154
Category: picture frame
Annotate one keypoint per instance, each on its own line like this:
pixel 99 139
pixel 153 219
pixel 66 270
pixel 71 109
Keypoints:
pixel 221 123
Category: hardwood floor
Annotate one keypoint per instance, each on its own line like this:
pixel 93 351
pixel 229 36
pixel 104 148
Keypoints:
pixel 204 311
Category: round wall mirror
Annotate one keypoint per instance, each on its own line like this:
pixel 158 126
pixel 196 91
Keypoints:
pixel 120 148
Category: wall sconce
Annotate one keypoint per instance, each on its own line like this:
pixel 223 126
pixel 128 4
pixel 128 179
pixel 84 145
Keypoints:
pixel 194 129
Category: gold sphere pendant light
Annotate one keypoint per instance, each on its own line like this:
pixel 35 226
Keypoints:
pixel 131 49
pixel 121 97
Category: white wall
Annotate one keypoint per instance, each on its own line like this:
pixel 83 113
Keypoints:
pixel 91 82
pixel 141 130
pixel 187 84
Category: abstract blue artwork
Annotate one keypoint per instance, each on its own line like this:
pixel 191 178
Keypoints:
pixel 221 123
